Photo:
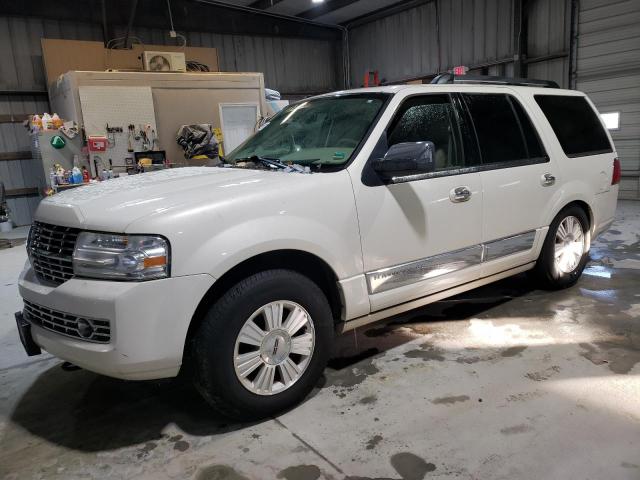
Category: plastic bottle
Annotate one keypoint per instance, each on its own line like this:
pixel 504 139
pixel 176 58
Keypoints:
pixel 46 121
pixel 56 121
pixel 36 122
pixel 76 175
pixel 85 174
pixel 52 178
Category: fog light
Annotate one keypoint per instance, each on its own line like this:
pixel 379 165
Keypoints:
pixel 85 329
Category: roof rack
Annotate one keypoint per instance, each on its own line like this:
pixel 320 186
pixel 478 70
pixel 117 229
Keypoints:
pixel 490 80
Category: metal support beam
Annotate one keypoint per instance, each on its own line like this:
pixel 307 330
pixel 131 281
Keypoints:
pixel 386 12
pixel 24 92
pixel 13 118
pixel 264 4
pixel 573 44
pixel 132 16
pixel 22 155
pixel 188 15
pixel 22 192
pixel 325 8
pixel 429 76
pixel 519 38
pixel 105 26
pixel 544 58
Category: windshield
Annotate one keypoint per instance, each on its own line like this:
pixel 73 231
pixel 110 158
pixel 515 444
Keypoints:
pixel 317 132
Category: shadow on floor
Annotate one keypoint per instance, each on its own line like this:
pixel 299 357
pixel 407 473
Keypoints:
pixel 88 412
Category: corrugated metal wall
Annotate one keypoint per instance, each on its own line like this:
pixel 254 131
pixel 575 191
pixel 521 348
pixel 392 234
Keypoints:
pixel 548 34
pixel 294 66
pixel 435 36
pixel 608 69
pixel 409 44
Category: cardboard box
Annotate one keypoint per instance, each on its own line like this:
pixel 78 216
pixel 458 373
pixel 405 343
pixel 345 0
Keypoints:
pixel 61 56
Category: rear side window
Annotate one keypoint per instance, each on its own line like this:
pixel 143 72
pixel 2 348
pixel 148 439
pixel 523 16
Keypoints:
pixel 576 125
pixel 504 131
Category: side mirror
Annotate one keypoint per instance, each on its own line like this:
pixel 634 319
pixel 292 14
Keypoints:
pixel 404 159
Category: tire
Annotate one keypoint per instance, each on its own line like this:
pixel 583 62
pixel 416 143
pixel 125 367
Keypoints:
pixel 220 345
pixel 556 275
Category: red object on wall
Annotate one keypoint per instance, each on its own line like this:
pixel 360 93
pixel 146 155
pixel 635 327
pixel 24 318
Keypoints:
pixel 367 78
pixel 97 143
pixel 461 70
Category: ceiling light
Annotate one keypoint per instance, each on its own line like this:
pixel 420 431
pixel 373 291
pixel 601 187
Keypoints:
pixel 317 1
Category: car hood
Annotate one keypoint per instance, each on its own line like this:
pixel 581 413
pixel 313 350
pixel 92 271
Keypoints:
pixel 115 204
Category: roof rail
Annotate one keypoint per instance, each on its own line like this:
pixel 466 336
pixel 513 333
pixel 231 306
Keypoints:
pixel 490 80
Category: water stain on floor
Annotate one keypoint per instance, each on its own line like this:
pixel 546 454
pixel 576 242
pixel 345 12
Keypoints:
pixel 410 466
pixel 144 451
pixel 427 352
pixel 543 375
pixel 522 428
pixel 620 357
pixel 513 351
pixel 300 472
pixel 368 400
pixel 373 442
pixel 450 400
pixel 219 472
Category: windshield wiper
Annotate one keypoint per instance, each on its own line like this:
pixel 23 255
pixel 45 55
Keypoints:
pixel 275 163
pixel 268 161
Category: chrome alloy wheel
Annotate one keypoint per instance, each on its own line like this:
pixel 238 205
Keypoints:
pixel 569 246
pixel 274 347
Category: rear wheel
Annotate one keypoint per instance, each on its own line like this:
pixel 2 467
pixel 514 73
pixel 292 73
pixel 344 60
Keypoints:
pixel 566 249
pixel 262 347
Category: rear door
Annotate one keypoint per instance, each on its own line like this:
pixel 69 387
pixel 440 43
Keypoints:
pixel 518 179
pixel 585 151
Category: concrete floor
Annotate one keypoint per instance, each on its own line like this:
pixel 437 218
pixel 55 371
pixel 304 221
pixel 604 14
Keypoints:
pixel 503 382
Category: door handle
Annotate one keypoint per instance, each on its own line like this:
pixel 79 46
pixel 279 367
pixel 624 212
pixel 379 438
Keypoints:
pixel 547 180
pixel 460 194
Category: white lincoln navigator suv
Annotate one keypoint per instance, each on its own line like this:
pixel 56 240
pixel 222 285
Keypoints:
pixel 343 210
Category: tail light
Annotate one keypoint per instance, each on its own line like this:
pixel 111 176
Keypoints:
pixel 617 172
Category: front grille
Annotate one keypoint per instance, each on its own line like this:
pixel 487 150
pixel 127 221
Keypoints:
pixel 83 328
pixel 50 249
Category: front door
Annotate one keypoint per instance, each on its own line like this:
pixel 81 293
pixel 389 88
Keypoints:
pixel 422 235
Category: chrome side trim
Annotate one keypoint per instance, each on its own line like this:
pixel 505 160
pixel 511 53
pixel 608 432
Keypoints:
pixel 420 302
pixel 385 279
pixel 423 269
pixel 508 246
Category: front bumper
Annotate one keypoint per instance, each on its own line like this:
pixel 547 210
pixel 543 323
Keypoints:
pixel 148 320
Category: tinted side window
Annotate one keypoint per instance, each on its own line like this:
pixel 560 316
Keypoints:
pixel 576 125
pixel 500 132
pixel 532 140
pixel 429 118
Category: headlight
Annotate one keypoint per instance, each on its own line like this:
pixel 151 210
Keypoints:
pixel 121 257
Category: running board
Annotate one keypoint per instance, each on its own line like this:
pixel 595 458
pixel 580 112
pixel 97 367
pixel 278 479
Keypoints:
pixel 421 302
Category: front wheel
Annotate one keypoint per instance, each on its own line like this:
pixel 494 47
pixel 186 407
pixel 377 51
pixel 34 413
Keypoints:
pixel 566 249
pixel 262 347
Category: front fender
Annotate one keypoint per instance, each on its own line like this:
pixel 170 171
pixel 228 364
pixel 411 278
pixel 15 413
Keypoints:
pixel 240 242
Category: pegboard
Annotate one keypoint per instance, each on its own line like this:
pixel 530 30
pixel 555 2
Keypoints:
pixel 118 107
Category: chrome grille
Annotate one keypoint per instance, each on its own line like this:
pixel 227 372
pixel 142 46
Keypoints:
pixel 50 249
pixel 68 324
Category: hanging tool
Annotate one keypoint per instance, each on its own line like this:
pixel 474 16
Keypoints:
pixel 131 132
pixel 145 139
pixel 154 140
